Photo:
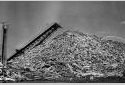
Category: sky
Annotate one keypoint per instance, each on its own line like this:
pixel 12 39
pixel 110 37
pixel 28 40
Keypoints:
pixel 27 19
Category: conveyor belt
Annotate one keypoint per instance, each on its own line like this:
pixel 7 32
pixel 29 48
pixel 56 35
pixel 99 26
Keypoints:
pixel 37 40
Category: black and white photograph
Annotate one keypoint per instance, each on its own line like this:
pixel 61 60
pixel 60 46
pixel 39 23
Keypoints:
pixel 62 41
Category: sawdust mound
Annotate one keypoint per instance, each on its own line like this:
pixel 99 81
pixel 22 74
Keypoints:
pixel 71 55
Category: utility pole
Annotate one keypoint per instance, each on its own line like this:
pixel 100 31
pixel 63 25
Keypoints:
pixel 4 50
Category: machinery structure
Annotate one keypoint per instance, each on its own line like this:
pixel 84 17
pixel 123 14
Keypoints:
pixel 41 38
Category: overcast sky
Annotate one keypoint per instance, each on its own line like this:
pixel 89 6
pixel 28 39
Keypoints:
pixel 26 19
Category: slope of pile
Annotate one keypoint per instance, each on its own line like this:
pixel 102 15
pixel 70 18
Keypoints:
pixel 69 56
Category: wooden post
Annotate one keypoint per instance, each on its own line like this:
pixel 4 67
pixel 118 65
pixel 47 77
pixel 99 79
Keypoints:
pixel 4 57
pixel 4 44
